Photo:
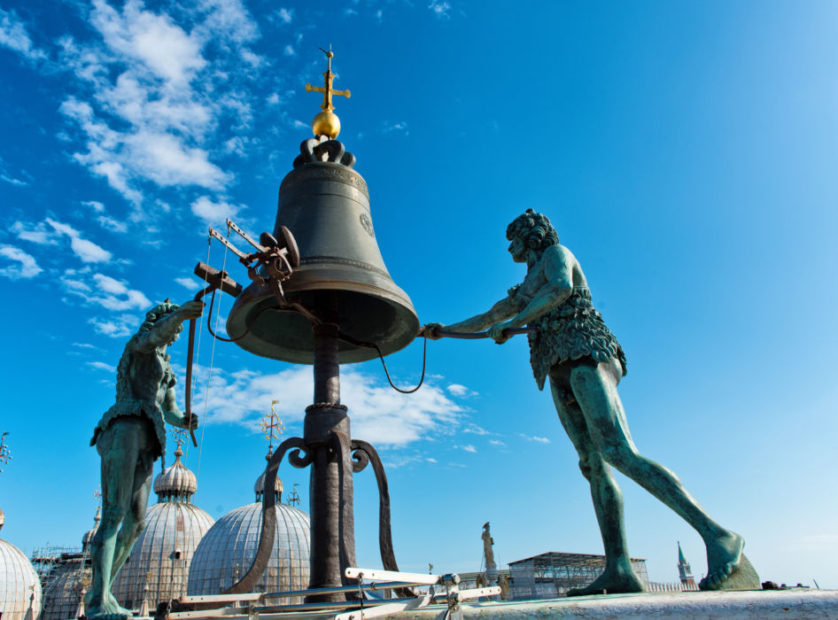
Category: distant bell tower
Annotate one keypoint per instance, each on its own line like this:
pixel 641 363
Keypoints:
pixel 684 572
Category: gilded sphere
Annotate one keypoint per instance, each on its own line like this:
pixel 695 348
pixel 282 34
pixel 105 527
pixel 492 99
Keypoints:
pixel 326 123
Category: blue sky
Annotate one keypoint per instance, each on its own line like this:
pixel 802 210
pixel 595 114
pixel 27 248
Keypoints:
pixel 686 153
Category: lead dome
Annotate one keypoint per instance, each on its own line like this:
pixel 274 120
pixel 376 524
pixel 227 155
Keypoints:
pixel 166 547
pixel 227 551
pixel 20 589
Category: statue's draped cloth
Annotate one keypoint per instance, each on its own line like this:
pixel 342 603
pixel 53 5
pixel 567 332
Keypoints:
pixel 142 373
pixel 571 331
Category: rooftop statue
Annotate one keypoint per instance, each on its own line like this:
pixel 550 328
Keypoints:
pixel 572 347
pixel 129 438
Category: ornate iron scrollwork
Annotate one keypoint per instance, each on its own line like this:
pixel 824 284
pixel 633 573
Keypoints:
pixel 266 538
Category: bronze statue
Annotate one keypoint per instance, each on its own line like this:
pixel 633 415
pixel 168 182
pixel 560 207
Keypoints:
pixel 571 346
pixel 129 438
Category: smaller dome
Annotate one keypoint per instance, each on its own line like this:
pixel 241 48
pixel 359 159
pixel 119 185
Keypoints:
pixel 177 483
pixel 259 488
pixel 3 518
pixel 20 588
pixel 89 534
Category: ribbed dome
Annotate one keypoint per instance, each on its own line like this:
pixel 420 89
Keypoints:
pixel 259 488
pixel 165 549
pixel 89 534
pixel 62 596
pixel 63 591
pixel 227 551
pixel 20 589
pixel 177 483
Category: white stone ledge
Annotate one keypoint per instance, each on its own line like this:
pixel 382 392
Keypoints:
pixel 750 605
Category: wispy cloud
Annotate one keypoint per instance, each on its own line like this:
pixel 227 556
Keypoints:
pixel 440 8
pixel 38 233
pixel 398 127
pixel 379 414
pixel 460 390
pixel 14 36
pixel 102 366
pixel 23 265
pixel 534 438
pixel 86 250
pixel 105 291
pixel 285 15
pixel 147 104
pixel 115 327
pixel 189 283
pixel 213 212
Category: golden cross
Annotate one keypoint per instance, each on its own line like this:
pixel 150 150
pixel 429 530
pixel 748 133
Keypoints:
pixel 272 426
pixel 327 84
pixel 5 455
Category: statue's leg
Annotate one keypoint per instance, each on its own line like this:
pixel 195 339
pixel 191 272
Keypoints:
pixel 118 447
pixel 595 389
pixel 618 575
pixel 134 521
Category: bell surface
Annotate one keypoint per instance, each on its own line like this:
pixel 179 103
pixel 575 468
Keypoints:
pixel 341 278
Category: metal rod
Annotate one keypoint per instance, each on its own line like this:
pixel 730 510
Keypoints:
pixel 513 331
pixel 326 364
pixel 367 586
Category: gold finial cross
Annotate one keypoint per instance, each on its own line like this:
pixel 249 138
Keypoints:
pixel 327 84
pixel 5 455
pixel 272 426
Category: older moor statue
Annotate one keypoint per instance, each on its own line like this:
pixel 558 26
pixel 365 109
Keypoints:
pixel 129 438
pixel 584 362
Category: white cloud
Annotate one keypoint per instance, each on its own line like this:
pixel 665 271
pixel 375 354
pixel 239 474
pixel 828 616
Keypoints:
pixel 380 415
pixel 189 283
pixel 39 234
pixel 496 442
pixel 117 327
pixel 23 265
pixel 213 212
pixel 473 429
pixel 109 223
pixel 86 250
pixel 399 127
pixel 95 205
pixel 289 51
pixel 14 36
pixel 460 390
pixel 440 8
pixel 534 438
pixel 117 296
pixel 102 366
pixel 285 15
pixel 272 99
pixel 469 448
pixel 147 103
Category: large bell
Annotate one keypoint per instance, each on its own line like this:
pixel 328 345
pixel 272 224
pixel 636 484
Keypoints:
pixel 341 278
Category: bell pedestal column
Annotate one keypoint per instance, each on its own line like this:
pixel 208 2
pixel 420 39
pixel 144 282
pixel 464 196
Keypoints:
pixel 327 437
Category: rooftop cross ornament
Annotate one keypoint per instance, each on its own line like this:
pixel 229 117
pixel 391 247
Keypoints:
pixel 5 455
pixel 272 426
pixel 327 123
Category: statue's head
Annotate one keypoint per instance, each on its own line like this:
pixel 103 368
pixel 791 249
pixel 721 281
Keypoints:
pixel 530 231
pixel 156 313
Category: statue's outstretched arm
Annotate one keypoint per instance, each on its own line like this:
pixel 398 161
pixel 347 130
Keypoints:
pixel 557 288
pixel 173 414
pixel 502 310
pixel 163 331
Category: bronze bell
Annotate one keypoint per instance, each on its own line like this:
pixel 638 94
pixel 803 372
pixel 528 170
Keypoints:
pixel 342 278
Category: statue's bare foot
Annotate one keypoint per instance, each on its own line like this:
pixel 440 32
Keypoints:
pixel 612 581
pixel 725 562
pixel 109 609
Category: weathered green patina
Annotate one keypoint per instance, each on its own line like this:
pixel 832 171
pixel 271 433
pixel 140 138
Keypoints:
pixel 130 436
pixel 584 362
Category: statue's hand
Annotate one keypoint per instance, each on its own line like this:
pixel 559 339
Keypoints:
pixel 496 332
pixel 190 422
pixel 190 310
pixel 429 330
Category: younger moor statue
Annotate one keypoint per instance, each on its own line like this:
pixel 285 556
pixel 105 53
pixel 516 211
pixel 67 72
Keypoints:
pixel 129 438
pixel 574 349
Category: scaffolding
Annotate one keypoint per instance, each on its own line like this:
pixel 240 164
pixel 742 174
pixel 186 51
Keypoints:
pixel 552 574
